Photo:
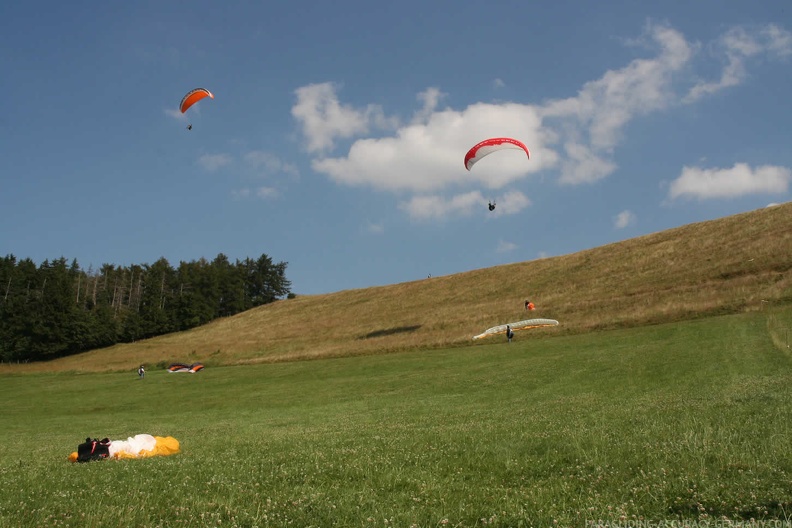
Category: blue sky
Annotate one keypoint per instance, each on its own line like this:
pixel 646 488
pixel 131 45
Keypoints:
pixel 336 138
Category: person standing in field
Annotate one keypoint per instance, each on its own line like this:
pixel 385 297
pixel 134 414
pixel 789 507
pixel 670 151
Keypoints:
pixel 509 333
pixel 141 372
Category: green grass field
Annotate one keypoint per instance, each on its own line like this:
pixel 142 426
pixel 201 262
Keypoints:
pixel 683 421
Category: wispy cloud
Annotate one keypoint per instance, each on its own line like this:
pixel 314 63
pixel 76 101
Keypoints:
pixel 591 123
pixel 738 45
pixel 430 98
pixel 624 219
pixel 739 180
pixel 505 247
pixel 778 40
pixel 212 162
pixel 374 228
pixel 263 193
pixel 252 167
pixel 270 164
pixel 425 207
pixel 175 114
pixel 266 192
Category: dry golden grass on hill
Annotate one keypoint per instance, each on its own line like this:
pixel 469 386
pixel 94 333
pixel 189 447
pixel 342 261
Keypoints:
pixel 722 266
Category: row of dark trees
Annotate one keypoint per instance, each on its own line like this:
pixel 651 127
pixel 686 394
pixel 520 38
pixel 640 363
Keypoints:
pixel 56 308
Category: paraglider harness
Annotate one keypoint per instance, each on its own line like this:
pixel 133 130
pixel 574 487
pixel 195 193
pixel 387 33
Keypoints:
pixel 93 450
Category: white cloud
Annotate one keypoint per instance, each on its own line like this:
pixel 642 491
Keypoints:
pixel 512 202
pixel 429 156
pixel 574 137
pixel 740 180
pixel 505 247
pixel 425 155
pixel 582 164
pixel 212 162
pixel 624 219
pixel 324 119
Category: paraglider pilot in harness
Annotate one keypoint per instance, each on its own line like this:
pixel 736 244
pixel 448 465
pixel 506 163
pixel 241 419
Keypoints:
pixel 492 206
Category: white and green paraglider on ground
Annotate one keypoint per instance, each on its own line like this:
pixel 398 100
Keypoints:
pixel 519 325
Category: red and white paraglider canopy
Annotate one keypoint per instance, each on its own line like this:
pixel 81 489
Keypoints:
pixel 488 146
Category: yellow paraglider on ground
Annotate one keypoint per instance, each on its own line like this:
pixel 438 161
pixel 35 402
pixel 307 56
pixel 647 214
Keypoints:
pixel 138 446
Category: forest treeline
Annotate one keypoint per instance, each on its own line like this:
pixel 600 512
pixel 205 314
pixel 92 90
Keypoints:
pixel 56 308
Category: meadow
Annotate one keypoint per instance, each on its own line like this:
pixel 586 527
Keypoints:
pixel 686 421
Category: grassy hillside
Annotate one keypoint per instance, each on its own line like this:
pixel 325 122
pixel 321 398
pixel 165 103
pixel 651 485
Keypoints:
pixel 730 265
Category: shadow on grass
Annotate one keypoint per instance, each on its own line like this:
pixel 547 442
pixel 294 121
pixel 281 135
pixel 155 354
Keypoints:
pixel 390 331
